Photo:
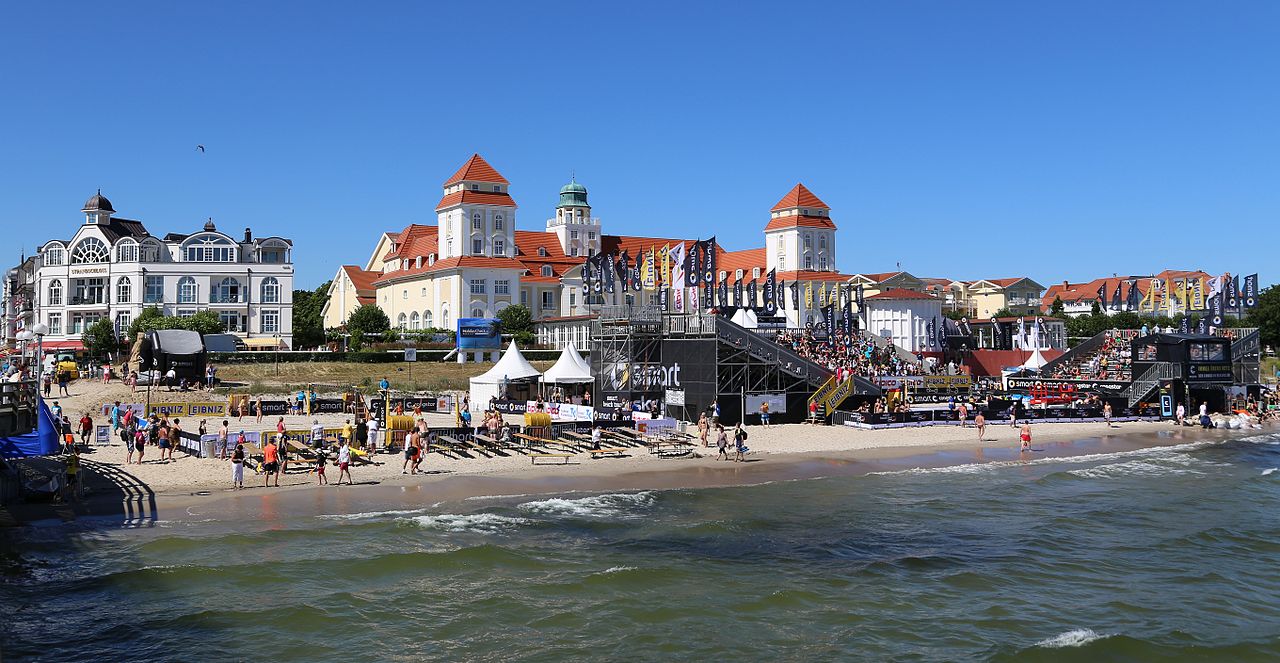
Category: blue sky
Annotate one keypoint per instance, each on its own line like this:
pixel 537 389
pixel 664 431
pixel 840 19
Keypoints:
pixel 962 139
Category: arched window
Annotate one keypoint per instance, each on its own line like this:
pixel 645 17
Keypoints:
pixel 90 250
pixel 401 321
pixel 546 270
pixel 477 222
pixel 270 290
pixel 477 312
pixel 55 255
pixel 188 292
pixel 226 291
pixel 207 247
pixel 55 293
pixel 127 251
pixel 124 290
pixel 542 251
pixel 414 321
pixel 444 316
pixel 426 320
pixel 149 251
pixel 822 241
pixel 497 222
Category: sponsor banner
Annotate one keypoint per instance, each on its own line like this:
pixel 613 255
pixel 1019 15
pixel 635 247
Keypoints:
pixel 101 435
pixel 326 406
pixel 646 425
pixel 404 404
pixel 479 334
pixel 189 409
pixel 674 397
pixel 1110 387
pixel 1209 372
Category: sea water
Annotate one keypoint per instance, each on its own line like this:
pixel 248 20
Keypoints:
pixel 1166 553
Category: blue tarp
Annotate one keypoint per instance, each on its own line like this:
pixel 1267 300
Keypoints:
pixel 43 441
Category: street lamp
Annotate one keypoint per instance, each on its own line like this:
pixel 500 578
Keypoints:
pixel 37 332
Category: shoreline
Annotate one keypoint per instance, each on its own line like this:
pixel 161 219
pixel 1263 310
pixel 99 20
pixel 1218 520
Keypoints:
pixel 780 453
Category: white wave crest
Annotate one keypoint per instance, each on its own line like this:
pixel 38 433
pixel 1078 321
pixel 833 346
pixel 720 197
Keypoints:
pixel 1265 438
pixel 1073 638
pixel 1137 468
pixel 609 505
pixel 370 515
pixel 1267 473
pixel 616 569
pixel 482 523
pixel 976 468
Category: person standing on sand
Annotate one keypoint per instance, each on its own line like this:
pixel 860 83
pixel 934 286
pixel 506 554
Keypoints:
pixel 257 409
pixel 410 451
pixel 222 440
pixel 373 436
pixel 175 437
pixel 270 464
pixel 1181 414
pixel 362 435
pixel 1026 436
pixel 344 463
pixel 348 432
pixel 703 429
pixel 323 459
pixel 116 414
pixel 980 422
pixel 86 429
pixel 1106 414
pixel 237 467
pixel 739 444
pixel 1013 414
pixel 962 413
pixel 722 443
pixel 764 413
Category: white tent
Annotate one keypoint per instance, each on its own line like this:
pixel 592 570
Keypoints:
pixel 1036 362
pixel 569 368
pixel 511 367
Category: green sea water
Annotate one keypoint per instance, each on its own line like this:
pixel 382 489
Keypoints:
pixel 1165 553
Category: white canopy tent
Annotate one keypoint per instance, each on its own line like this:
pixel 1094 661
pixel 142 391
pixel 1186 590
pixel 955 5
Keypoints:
pixel 570 368
pixel 512 367
pixel 1036 361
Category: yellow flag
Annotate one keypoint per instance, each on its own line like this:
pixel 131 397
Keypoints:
pixel 808 294
pixel 666 264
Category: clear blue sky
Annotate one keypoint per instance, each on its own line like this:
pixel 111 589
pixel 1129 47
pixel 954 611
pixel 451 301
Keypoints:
pixel 964 139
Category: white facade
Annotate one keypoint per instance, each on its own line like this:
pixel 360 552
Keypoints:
pixel 113 268
pixel 902 320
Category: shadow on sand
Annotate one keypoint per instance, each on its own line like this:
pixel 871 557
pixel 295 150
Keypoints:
pixel 108 492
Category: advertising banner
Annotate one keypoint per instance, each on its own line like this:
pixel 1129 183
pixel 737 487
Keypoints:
pixel 777 403
pixel 189 409
pixel 1104 387
pixel 124 407
pixel 1201 372
pixel 479 334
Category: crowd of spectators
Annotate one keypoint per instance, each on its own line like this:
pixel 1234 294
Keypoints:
pixel 847 356
pixel 1113 360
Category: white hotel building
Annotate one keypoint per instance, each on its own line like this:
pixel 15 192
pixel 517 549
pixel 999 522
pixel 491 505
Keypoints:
pixel 113 268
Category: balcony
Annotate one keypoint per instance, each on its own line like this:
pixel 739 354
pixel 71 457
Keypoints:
pixel 226 299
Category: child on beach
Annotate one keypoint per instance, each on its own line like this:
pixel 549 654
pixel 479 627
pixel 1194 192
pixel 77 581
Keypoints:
pixel 1026 436
pixel 320 477
pixel 722 443
pixel 237 467
pixel 344 463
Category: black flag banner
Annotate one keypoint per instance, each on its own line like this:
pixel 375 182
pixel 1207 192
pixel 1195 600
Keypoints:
pixel 929 329
pixel 1203 327
pixel 1116 299
pixel 846 318
pixel 692 265
pixel 586 280
pixel 780 293
pixel 857 293
pixel 1184 327
pixel 1215 307
pixel 771 293
pixel 635 275
pixel 829 320
pixel 708 293
pixel 1135 297
pixel 608 274
pixel 1251 291
pixel 597 272
pixel 1233 296
pixel 624 271
pixel 724 292
pixel 752 302
pixel 737 294
pixel 710 262
pixel 795 295
pixel 997 334
pixel 1102 295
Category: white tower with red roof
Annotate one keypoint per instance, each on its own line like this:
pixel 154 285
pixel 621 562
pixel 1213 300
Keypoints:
pixel 476 216
pixel 800 235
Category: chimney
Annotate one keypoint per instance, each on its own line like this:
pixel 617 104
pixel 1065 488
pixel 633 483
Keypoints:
pixel 248 235
pixel 1065 285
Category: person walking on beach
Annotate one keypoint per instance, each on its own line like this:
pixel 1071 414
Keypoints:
pixel 270 464
pixel 596 433
pixel 322 460
pixel 86 429
pixel 1106 414
pixel 237 467
pixel 373 436
pixel 222 441
pixel 317 433
pixel 980 422
pixel 344 463
pixel 410 451
pixel 962 413
pixel 764 413
pixel 739 443
pixel 257 410
pixel 1181 414
pixel 362 435
pixel 703 429
pixel 1013 414
pixel 347 432
pixel 64 378
pixel 116 414
pixel 280 427
pixel 1026 436
pixel 722 443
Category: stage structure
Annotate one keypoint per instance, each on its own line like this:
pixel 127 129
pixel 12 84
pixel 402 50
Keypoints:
pixel 688 361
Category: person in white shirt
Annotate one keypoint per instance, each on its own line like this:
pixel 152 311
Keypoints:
pixel 344 463
pixel 373 435
pixel 317 432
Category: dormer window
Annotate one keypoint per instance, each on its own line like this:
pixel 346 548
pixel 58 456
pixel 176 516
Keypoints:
pixel 755 272
pixel 497 189
pixel 475 187
pixel 546 270
pixel 542 251
pixel 737 275
pixel 431 259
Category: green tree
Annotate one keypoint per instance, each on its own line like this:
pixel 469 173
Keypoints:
pixel 100 338
pixel 1266 316
pixel 146 321
pixel 1125 320
pixel 1004 313
pixel 368 320
pixel 516 319
pixel 204 322
pixel 1057 309
pixel 308 321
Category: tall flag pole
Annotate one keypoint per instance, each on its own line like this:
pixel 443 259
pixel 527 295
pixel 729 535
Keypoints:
pixel 624 270
pixel 1102 296
pixel 710 262
pixel 808 294
pixel 724 292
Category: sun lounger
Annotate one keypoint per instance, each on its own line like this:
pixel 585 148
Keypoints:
pixel 533 458
pixel 597 453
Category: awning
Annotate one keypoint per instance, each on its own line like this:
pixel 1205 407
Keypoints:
pixel 63 345
pixel 272 343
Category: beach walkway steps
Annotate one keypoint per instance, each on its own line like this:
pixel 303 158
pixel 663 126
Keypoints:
pixel 1143 385
pixel 1246 356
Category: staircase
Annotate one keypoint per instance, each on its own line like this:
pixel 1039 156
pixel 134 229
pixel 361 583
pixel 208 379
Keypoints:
pixel 768 351
pixel 1246 355
pixel 1089 346
pixel 1144 384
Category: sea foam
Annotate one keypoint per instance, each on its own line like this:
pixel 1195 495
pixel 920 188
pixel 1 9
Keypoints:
pixel 481 523
pixel 1073 638
pixel 609 505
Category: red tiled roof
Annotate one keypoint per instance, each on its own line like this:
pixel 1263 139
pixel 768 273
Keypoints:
pixel 810 275
pixel 363 280
pixel 731 261
pixel 476 169
pixel 635 245
pixel 479 262
pixel 475 198
pixel 1088 292
pixel 799 196
pixel 901 293
pixel 798 221
pixel 415 240
pixel 1004 283
pixel 881 277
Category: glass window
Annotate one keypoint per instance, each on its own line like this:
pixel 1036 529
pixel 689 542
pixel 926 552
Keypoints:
pixel 124 291
pixel 808 262
pixel 822 241
pixel 186 312
pixel 271 322
pixel 547 271
pixel 89 291
pixel 89 250
pixel 477 223
pixel 477 246
pixel 123 320
pixel 542 251
pixel 755 272
pixel 573 234
pixel 1208 352
pixel 502 287
pixel 149 252
pixel 415 321
pixel 155 290
pixel 477 312
pixel 499 247
pixel 426 319
pixel 55 293
pixel 548 299
pixel 402 321
pixel 227 291
pixel 270 290
pixel 524 297
pixel 54 256
pixel 230 320
pixel 591 235
pixel 208 248
pixel 187 290
pixel 497 220
pixel 127 251
pixel 477 286
pixel 55 323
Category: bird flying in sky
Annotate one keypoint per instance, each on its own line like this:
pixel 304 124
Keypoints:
pixel 201 148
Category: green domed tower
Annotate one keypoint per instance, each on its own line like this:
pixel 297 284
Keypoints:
pixel 578 232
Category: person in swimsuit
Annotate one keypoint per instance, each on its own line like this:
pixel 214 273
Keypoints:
pixel 1026 436
pixel 344 463
pixel 722 443
pixel 962 413
pixel 410 452
pixel 980 422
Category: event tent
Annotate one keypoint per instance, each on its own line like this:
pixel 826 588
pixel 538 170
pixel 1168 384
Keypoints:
pixel 511 368
pixel 570 368
pixel 1036 361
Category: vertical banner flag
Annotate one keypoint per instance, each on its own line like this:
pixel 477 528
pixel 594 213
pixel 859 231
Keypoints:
pixel 697 253
pixel 649 276
pixel 710 262
pixel 751 295
pixel 635 274
pixel 822 294
pixel 608 273
pixel 1117 300
pixel 1148 302
pixel 808 294
pixel 695 302
pixel 597 275
pixel 930 328
pixel 846 323
pixel 1184 327
pixel 829 320
pixel 678 293
pixel 1182 295
pixel 664 273
pixel 1035 333
pixel 724 292
pixel 1251 291
pixel 1233 294
pixel 1102 295
pixel 664 296
pixel 997 335
pixel 1203 327
pixel 586 280
pixel 780 292
pixel 678 274
pixel 1134 296
pixel 1022 334
pixel 1215 307
pixel 737 293
pixel 771 292
pixel 624 271
pixel 795 295
pixel 1197 294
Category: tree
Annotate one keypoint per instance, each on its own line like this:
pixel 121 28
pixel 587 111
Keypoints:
pixel 1125 320
pixel 308 321
pixel 516 319
pixel 1266 316
pixel 146 321
pixel 1057 309
pixel 204 322
pixel 100 338
pixel 368 320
